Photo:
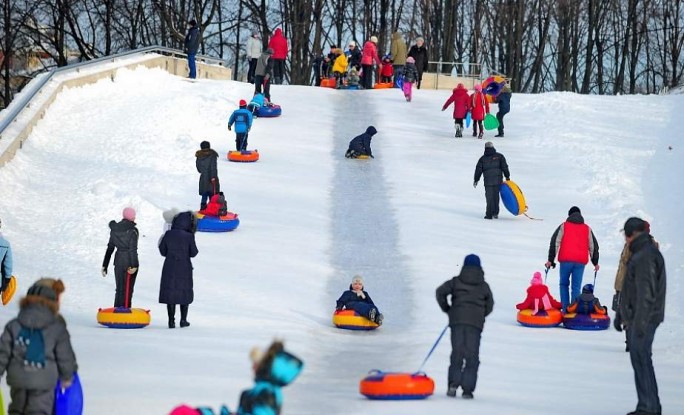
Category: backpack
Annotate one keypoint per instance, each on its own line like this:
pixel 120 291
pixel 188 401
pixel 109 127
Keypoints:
pixel 32 340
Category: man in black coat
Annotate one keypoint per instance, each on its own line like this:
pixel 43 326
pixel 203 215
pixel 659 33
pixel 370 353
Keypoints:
pixel 504 101
pixel 419 53
pixel 123 236
pixel 206 167
pixel 360 145
pixel 192 42
pixel 471 302
pixel 176 287
pixel 642 307
pixel 354 56
pixel 493 166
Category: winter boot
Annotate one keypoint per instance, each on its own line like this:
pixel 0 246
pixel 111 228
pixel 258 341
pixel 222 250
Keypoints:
pixel 480 135
pixel 459 131
pixel 184 316
pixel 499 135
pixel 451 392
pixel 467 395
pixel 379 318
pixel 372 314
pixel 184 323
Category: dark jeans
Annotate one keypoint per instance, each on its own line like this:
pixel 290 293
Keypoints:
pixel 259 82
pixel 278 71
pixel 465 356
pixel 32 401
pixel 644 376
pixel 361 308
pixel 241 141
pixel 500 117
pixel 191 65
pixel 171 311
pixel 398 73
pixel 205 198
pixel 123 292
pixel 367 76
pixel 492 196
pixel 250 72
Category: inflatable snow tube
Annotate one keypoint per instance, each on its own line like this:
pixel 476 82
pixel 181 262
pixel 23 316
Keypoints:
pixel 383 85
pixel 225 223
pixel 248 156
pixel 513 198
pixel 350 320
pixel 592 321
pixel 328 82
pixel 543 318
pixel 493 85
pixel 396 386
pixel 123 318
pixel 272 111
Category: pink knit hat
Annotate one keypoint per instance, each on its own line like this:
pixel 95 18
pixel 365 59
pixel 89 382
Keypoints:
pixel 478 87
pixel 536 279
pixel 184 410
pixel 129 214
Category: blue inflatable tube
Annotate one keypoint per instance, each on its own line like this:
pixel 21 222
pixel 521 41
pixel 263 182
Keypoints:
pixel 269 112
pixel 513 198
pixel 594 322
pixel 226 223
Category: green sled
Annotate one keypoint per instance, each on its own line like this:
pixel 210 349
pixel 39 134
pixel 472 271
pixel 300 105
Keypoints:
pixel 490 122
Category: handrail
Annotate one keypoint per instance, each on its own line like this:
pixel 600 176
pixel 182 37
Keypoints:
pixel 15 110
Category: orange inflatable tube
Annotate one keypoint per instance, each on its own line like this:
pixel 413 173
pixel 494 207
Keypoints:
pixel 543 318
pixel 396 386
pixel 243 156
pixel 328 82
pixel 383 85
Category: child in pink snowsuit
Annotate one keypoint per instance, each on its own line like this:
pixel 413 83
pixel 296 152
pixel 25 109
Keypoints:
pixel 538 297
pixel 410 76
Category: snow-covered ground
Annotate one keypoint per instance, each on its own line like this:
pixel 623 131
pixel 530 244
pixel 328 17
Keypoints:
pixel 311 219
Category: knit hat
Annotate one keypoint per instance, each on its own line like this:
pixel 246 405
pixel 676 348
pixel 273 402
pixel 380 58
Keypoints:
pixel 129 214
pixel 168 215
pixel 574 209
pixel 374 39
pixel 634 225
pixel 371 130
pixel 184 410
pixel 42 290
pixel 460 86
pixel 477 87
pixel 536 279
pixel 242 103
pixel 410 60
pixel 357 278
pixel 352 43
pixel 489 144
pixel 471 260
pixel 192 22
pixel 205 145
pixel 588 289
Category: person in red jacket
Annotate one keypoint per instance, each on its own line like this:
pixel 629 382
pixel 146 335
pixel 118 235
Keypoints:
pixel 575 244
pixel 279 45
pixel 369 54
pixel 387 69
pixel 538 296
pixel 478 108
pixel 459 97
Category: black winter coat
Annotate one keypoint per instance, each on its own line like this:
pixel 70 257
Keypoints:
pixel 504 101
pixel 192 40
pixel 471 297
pixel 355 58
pixel 421 57
pixel 206 166
pixel 350 296
pixel 178 246
pixel 361 144
pixel 492 165
pixel 642 299
pixel 123 236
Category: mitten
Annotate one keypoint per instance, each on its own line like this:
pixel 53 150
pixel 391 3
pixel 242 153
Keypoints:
pixel 475 184
pixel 104 271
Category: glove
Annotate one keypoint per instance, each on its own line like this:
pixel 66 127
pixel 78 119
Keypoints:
pixel 213 179
pixel 339 308
pixel 597 267
pixel 475 184
pixel 443 109
pixel 66 384
pixel 508 179
pixel 550 264
pixel 371 156
pixel 230 129
pixel 5 283
pixel 132 270
pixel 617 322
pixel 104 271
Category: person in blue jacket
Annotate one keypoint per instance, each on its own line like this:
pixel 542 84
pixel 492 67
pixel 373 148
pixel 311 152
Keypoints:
pixel 504 101
pixel 5 261
pixel 242 118
pixel 360 145
pixel 257 102
pixel 358 300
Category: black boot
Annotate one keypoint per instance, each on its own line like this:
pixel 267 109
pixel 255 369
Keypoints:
pixel 184 316
pixel 171 311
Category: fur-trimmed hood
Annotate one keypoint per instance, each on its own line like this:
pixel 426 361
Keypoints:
pixel 37 312
pixel 206 152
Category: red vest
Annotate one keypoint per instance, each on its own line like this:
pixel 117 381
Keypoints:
pixel 574 246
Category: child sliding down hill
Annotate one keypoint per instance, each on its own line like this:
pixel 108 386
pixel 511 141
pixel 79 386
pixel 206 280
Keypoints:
pixel 538 296
pixel 586 303
pixel 217 206
pixel 358 300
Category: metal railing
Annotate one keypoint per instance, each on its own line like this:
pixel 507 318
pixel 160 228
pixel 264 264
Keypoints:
pixel 470 70
pixel 11 113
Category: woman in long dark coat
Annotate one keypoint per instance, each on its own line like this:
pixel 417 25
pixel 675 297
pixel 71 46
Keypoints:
pixel 178 246
pixel 206 167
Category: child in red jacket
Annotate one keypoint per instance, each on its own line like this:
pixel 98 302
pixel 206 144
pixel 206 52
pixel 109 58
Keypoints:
pixel 387 70
pixel 459 97
pixel 217 206
pixel 478 108
pixel 538 297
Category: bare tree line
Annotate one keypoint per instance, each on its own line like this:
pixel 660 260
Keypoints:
pixel 588 46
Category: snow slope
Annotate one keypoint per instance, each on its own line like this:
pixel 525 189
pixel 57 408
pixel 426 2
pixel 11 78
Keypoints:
pixel 311 219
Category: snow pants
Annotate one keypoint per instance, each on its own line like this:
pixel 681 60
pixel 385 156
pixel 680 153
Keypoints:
pixel 363 309
pixel 31 402
pixel 241 141
pixel 465 356
pixel 122 291
pixel 492 196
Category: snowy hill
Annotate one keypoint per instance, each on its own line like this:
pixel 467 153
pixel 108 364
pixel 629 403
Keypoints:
pixel 312 219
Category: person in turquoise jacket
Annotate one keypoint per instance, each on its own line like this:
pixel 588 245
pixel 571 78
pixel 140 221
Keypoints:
pixel 257 102
pixel 5 261
pixel 242 118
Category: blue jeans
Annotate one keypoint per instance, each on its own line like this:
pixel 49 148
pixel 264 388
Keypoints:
pixel 191 65
pixel 568 270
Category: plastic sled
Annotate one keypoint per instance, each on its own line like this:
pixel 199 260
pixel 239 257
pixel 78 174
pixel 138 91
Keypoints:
pixel 69 401
pixel 9 291
pixel 513 198
pixel 2 404
pixel 490 122
pixel 468 120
